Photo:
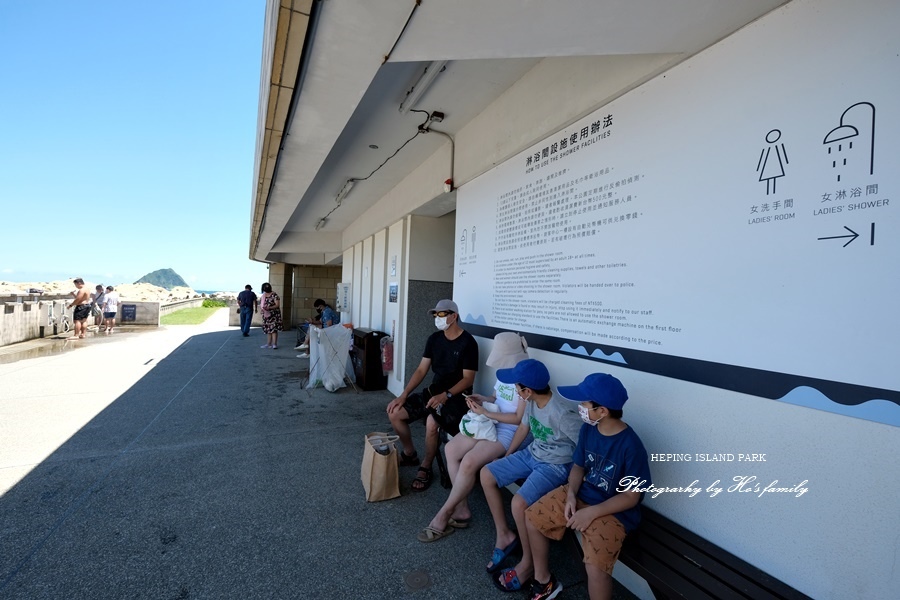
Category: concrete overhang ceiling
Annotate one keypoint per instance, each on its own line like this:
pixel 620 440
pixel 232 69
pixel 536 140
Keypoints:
pixel 345 95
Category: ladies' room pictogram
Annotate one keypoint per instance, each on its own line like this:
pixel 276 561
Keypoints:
pixel 772 160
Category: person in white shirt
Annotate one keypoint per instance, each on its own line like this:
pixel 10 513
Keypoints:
pixel 110 308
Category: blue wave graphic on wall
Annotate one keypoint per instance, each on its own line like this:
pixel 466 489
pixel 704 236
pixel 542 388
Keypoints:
pixel 614 357
pixel 479 320
pixel 846 399
pixel 880 411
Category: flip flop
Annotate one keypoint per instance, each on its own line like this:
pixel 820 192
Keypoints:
pixel 459 523
pixel 430 534
pixel 508 581
pixel 498 556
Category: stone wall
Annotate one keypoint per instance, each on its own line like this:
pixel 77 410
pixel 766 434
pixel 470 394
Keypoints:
pixel 311 282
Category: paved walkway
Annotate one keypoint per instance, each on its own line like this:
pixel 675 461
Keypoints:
pixel 186 462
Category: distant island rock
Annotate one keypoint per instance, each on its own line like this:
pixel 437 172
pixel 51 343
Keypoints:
pixel 164 278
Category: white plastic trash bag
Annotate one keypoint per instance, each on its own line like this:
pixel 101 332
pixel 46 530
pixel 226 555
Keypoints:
pixel 330 358
pixel 480 427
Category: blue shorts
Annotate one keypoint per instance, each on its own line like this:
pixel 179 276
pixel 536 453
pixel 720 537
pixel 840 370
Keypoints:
pixel 109 315
pixel 540 477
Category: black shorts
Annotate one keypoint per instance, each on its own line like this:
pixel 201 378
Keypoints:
pixel 450 415
pixel 81 312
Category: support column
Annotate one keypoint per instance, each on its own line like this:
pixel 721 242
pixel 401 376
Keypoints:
pixel 281 277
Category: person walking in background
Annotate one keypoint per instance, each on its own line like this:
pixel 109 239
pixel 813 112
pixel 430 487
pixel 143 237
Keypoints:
pixel 246 306
pixel 325 317
pixel 97 299
pixel 81 303
pixel 270 304
pixel 110 308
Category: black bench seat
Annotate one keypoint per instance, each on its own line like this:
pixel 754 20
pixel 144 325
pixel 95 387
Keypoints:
pixel 677 563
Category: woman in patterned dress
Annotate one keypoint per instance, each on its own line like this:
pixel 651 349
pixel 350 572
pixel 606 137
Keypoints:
pixel 271 313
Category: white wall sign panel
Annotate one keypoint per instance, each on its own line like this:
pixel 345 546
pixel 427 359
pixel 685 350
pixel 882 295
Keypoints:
pixel 734 222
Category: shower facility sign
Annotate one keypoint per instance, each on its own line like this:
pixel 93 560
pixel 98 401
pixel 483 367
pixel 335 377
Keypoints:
pixel 666 222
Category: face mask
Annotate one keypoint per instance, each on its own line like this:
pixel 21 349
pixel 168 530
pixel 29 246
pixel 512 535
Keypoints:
pixel 586 416
pixel 441 323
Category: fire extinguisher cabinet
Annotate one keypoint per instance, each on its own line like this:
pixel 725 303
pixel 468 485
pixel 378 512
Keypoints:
pixel 366 357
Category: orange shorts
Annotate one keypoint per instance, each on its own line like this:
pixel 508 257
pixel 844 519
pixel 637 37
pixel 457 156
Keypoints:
pixel 601 541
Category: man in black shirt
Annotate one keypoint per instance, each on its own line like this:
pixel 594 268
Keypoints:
pixel 452 353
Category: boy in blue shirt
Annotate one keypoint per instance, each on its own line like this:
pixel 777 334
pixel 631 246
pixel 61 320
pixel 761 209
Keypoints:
pixel 608 450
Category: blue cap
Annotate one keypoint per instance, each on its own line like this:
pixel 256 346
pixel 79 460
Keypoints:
pixel 601 388
pixel 530 373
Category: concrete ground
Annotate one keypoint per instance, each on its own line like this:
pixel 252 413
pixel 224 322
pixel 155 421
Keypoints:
pixel 187 462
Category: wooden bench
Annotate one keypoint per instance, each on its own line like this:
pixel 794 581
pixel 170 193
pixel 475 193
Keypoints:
pixel 677 563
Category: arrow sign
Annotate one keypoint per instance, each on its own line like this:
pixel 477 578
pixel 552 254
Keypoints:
pixel 853 235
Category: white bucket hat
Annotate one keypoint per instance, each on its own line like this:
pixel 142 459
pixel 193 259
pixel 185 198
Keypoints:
pixel 509 348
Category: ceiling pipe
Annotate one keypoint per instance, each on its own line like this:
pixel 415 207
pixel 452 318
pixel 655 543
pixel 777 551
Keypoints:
pixel 452 179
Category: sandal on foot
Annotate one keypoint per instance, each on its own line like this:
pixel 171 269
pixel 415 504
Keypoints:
pixel 408 460
pixel 508 581
pixel 423 479
pixel 499 555
pixel 430 534
pixel 459 523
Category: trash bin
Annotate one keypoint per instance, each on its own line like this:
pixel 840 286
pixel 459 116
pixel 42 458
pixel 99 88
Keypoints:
pixel 365 354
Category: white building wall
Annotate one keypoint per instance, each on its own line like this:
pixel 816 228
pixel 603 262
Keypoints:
pixel 842 461
pixel 379 280
pixel 365 301
pixel 356 290
pixel 430 240
pixel 395 312
pixel 347 277
pixel 840 539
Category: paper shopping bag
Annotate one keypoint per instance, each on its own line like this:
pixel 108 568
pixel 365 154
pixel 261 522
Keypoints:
pixel 380 467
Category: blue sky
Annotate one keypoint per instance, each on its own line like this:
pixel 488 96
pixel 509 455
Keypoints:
pixel 127 140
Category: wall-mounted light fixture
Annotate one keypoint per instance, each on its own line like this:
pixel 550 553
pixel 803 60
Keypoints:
pixel 321 223
pixel 421 85
pixel 344 191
